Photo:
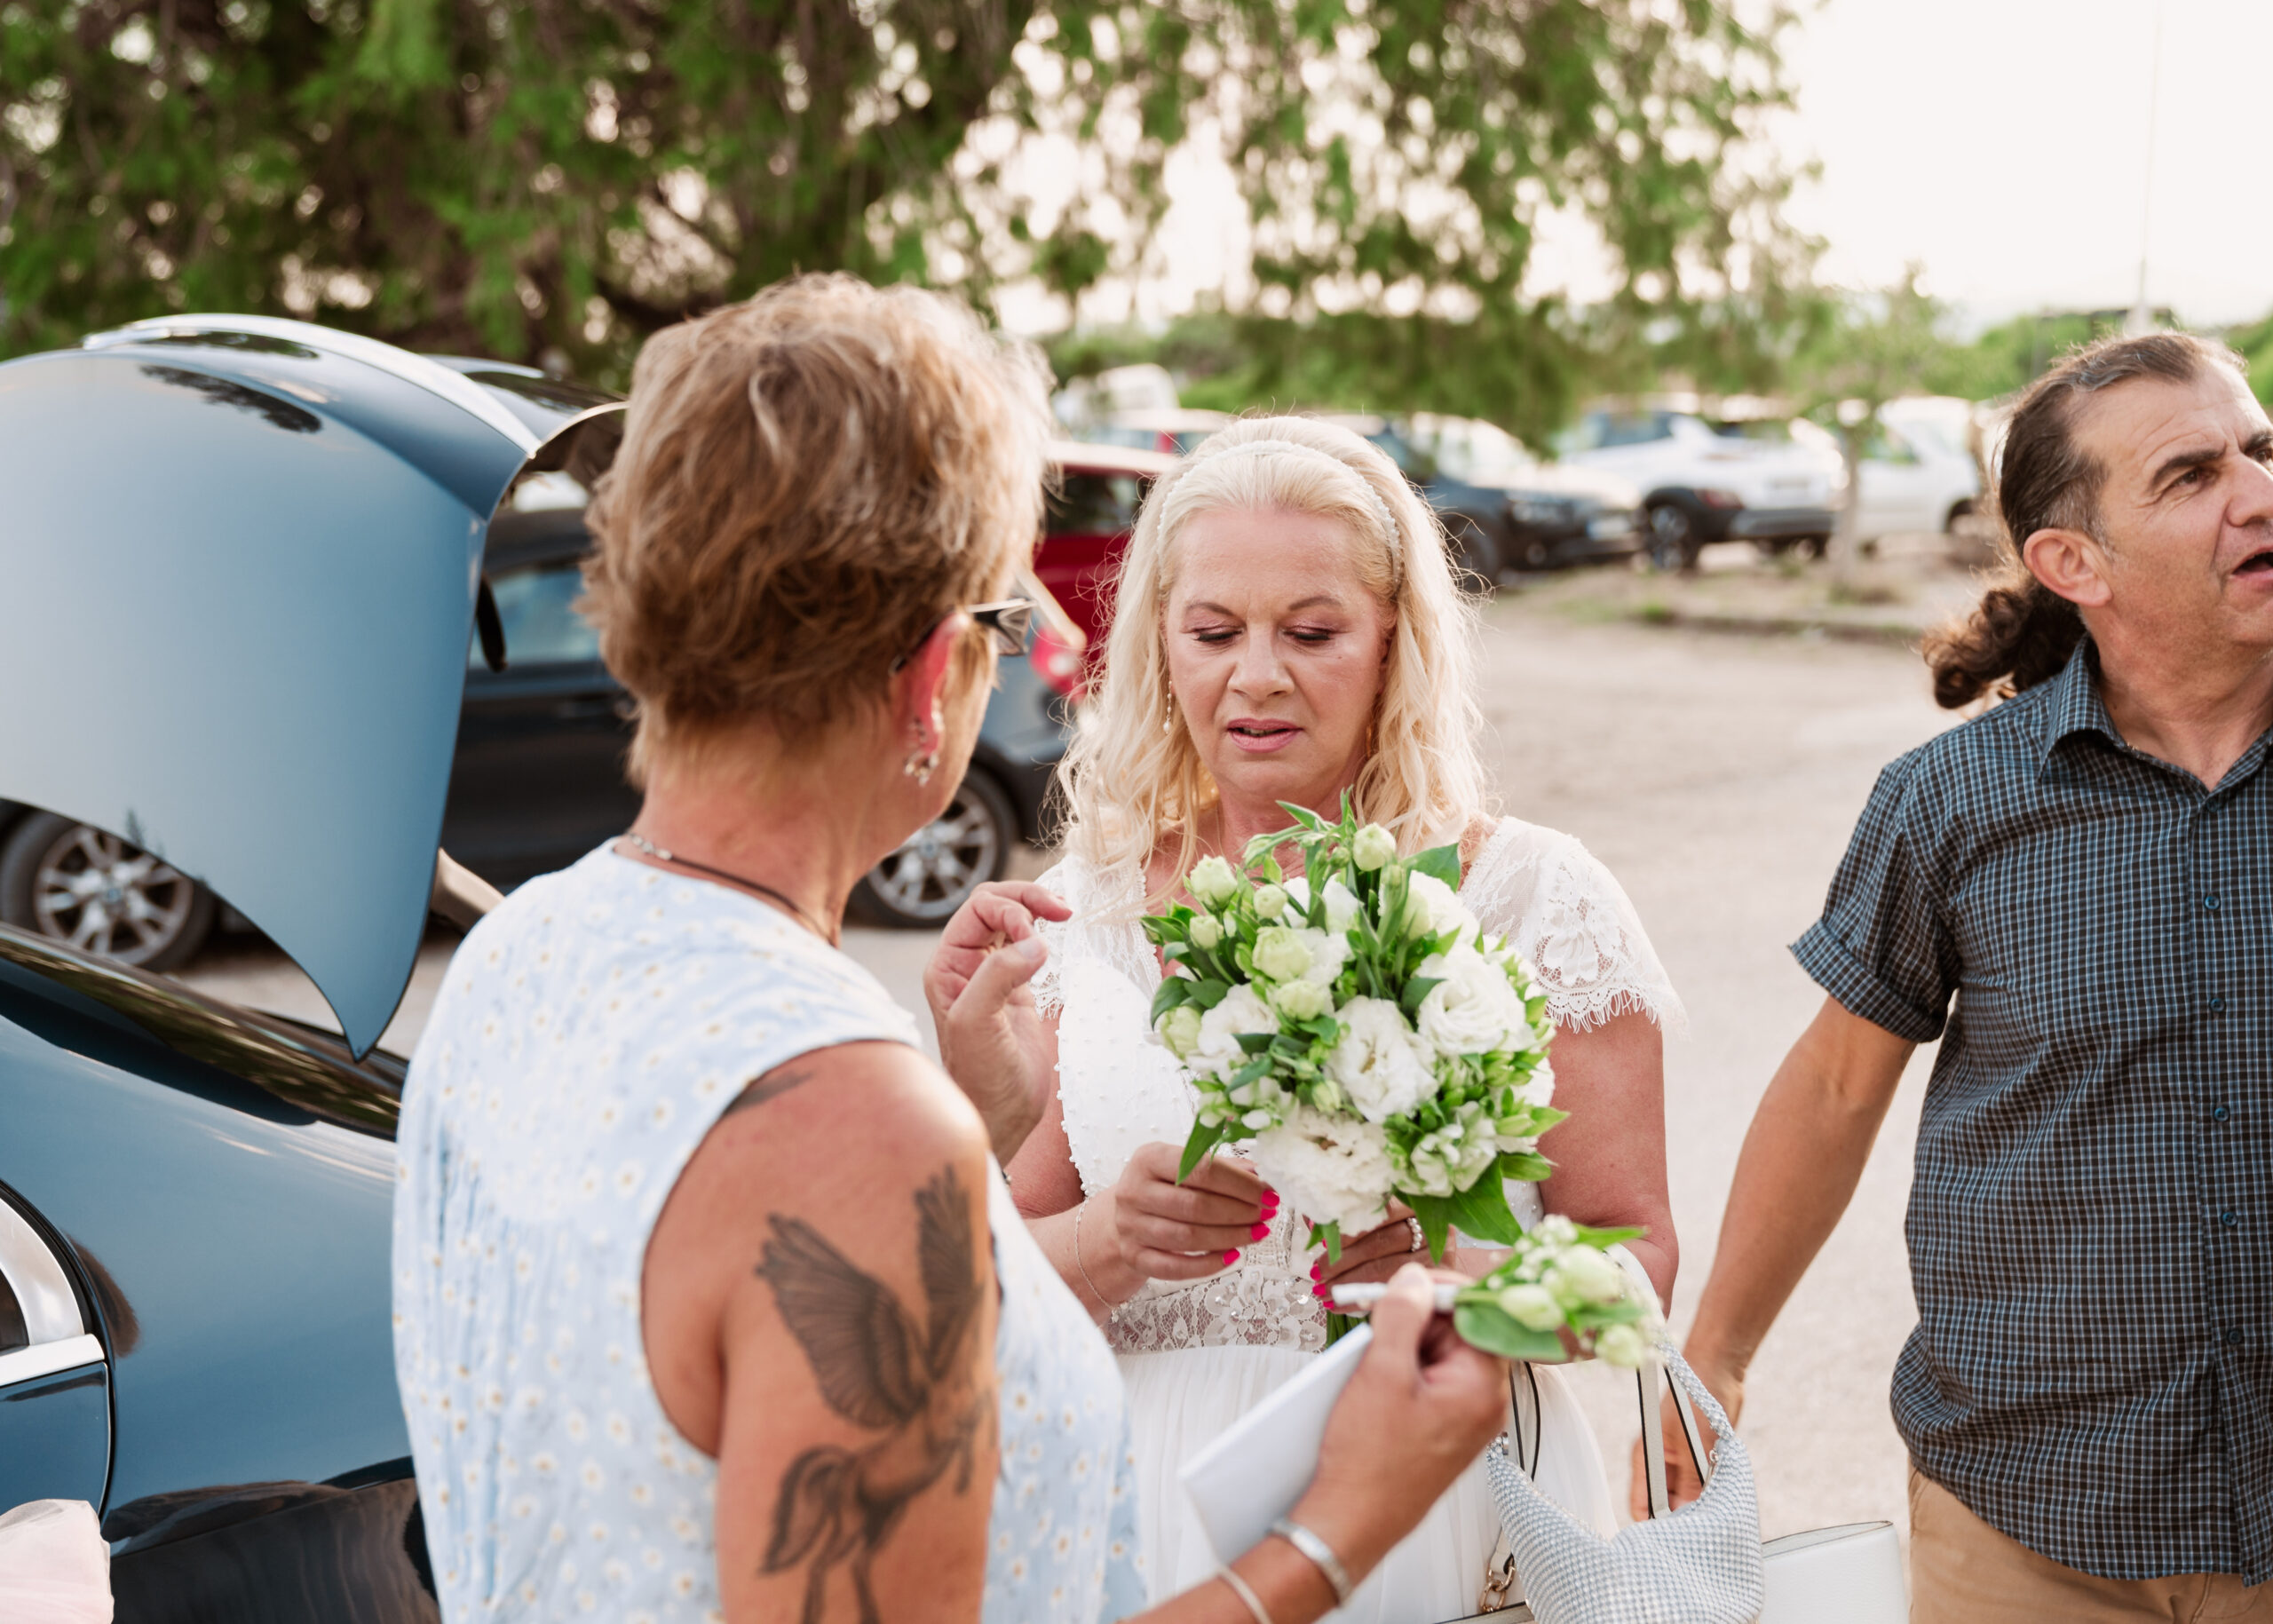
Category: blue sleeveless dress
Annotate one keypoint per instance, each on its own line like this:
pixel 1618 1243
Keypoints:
pixel 588 1035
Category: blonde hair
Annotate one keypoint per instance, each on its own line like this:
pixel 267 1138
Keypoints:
pixel 809 481
pixel 1128 782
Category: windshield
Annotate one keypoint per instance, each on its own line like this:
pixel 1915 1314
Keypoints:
pixel 1476 452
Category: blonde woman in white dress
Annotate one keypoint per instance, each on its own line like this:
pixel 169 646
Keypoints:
pixel 1288 627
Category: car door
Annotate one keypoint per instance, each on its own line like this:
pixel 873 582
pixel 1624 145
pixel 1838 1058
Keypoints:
pixel 1090 518
pixel 538 779
pixel 54 1380
pixel 1896 486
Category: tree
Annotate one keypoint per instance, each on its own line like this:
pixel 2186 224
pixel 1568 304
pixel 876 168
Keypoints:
pixel 555 179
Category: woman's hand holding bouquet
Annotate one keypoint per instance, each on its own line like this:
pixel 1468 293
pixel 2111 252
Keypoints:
pixel 1363 1040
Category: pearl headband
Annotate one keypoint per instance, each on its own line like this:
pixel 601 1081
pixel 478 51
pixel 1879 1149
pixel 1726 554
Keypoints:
pixel 1213 450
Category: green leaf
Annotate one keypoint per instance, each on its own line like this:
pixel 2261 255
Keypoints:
pixel 1482 1325
pixel 1438 862
pixel 1158 929
pixel 1254 1071
pixel 1528 1166
pixel 1436 1215
pixel 1418 989
pixel 1481 1211
pixel 1202 1140
pixel 1210 993
pixel 1256 1042
pixel 1608 1238
pixel 1174 992
pixel 1329 1235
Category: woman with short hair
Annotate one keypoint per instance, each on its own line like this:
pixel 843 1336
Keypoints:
pixel 710 1300
pixel 1288 627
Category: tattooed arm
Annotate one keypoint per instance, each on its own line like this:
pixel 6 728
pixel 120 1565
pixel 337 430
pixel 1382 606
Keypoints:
pixel 819 1305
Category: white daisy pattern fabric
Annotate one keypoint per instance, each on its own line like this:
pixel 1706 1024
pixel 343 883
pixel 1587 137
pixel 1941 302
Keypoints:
pixel 588 1033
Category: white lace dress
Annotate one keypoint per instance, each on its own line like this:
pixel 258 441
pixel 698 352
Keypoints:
pixel 1195 1355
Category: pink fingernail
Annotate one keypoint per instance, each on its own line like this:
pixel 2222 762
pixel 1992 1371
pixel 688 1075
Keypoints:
pixel 1230 1259
pixel 1314 1270
pixel 1258 1232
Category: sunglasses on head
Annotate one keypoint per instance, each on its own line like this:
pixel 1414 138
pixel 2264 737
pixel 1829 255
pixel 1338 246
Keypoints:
pixel 1009 620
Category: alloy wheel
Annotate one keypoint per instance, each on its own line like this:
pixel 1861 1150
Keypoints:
pixel 937 867
pixel 102 895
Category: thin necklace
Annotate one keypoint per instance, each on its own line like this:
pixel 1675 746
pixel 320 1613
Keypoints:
pixel 747 883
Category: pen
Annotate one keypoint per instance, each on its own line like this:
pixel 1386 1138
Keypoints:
pixel 1363 1296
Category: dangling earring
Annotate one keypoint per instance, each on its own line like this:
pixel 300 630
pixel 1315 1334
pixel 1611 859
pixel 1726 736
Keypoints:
pixel 1167 722
pixel 920 764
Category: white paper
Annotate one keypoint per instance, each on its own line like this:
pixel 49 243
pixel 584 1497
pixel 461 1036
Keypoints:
pixel 1252 1476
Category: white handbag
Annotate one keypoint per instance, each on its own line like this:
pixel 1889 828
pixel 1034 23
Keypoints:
pixel 1698 1566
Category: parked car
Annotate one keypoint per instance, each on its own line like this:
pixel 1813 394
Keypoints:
pixel 1090 514
pixel 1918 471
pixel 1502 509
pixel 537 777
pixel 285 525
pixel 1703 482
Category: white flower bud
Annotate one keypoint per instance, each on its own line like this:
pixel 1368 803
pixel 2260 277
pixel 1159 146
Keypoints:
pixel 1206 933
pixel 1271 901
pixel 1374 846
pixel 1532 1307
pixel 1212 881
pixel 1582 1276
pixel 1280 955
pixel 1301 1000
pixel 1180 1030
pixel 1622 1346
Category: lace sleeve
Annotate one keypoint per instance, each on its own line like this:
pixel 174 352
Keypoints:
pixel 1574 923
pixel 1048 982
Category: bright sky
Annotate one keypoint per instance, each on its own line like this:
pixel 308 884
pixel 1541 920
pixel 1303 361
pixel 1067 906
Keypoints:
pixel 2004 144
pixel 2001 144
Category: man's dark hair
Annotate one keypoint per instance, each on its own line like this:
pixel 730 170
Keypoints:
pixel 2023 633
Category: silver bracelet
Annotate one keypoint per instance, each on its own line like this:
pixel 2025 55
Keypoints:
pixel 1084 1267
pixel 1321 1553
pixel 1246 1593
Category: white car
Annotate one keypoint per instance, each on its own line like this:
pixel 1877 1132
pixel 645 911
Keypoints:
pixel 1918 471
pixel 1763 480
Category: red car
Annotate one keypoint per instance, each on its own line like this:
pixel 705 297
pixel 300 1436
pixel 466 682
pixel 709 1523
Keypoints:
pixel 1090 516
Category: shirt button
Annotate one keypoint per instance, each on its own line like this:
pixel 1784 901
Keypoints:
pixel 2217 1004
pixel 2219 1113
pixel 2233 1337
pixel 2211 902
pixel 2229 1218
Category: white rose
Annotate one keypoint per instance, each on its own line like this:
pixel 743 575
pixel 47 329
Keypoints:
pixel 1431 906
pixel 1340 906
pixel 1380 1063
pixel 1532 1307
pixel 1206 933
pixel 1281 953
pixel 1302 999
pixel 1622 1346
pixel 1374 846
pixel 1539 1087
pixel 1271 901
pixel 1331 1170
pixel 1473 1010
pixel 1329 951
pixel 1218 1052
pixel 1582 1276
pixel 1212 881
pixel 1179 1029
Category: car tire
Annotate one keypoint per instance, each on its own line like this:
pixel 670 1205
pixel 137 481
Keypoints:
pixel 1959 512
pixel 938 868
pixel 1814 546
pixel 1673 543
pixel 1474 552
pixel 150 916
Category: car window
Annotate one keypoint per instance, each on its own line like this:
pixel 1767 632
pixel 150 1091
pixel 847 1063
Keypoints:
pixel 14 1332
pixel 541 629
pixel 1089 505
pixel 1636 429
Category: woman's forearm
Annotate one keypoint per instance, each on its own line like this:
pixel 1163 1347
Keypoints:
pixel 1095 1272
pixel 1803 1157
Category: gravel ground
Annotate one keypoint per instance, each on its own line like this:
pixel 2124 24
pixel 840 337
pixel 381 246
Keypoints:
pixel 1719 776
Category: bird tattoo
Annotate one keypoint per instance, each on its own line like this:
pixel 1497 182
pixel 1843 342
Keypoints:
pixel 879 1369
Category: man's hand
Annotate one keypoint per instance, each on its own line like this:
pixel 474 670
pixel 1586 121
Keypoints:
pixel 990 1036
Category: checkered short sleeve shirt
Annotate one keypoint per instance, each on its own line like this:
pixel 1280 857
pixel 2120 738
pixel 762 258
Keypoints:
pixel 2091 1220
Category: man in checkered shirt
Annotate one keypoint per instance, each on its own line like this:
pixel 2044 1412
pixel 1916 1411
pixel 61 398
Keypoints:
pixel 2086 869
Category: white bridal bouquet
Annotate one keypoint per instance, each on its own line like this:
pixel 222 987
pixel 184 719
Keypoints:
pixel 1364 1038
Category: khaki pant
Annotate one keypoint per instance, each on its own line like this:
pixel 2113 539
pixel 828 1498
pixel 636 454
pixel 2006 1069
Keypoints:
pixel 1964 1572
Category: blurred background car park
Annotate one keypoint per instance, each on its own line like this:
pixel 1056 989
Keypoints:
pixel 1738 478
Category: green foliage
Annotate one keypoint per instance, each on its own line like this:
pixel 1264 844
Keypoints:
pixel 556 181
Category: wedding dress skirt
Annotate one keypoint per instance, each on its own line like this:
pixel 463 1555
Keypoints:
pixel 1180 1401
